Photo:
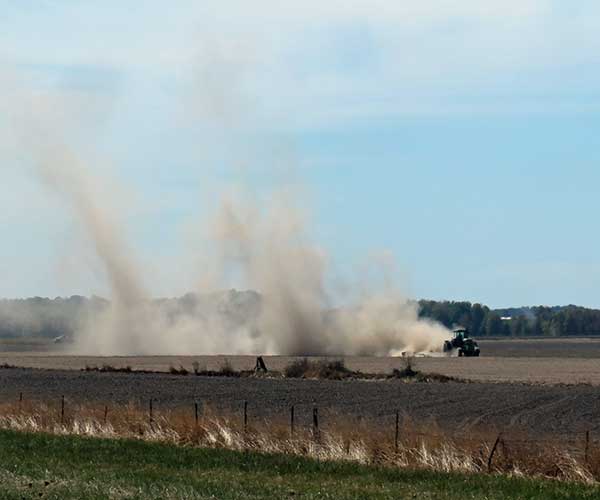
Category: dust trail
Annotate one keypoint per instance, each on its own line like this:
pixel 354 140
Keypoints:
pixel 120 328
pixel 41 136
pixel 267 247
pixel 275 257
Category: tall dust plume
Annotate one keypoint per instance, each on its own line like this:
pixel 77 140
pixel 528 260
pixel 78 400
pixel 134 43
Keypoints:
pixel 41 134
pixel 266 247
pixel 274 255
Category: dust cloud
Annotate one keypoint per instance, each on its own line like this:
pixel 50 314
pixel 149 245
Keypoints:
pixel 265 246
pixel 40 133
pixel 274 255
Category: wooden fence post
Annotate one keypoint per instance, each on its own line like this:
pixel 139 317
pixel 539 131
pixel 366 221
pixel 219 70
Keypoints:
pixel 196 412
pixel 292 421
pixel 245 416
pixel 20 400
pixel 62 410
pixel 316 422
pixel 105 413
pixel 587 447
pixel 150 410
pixel 397 432
pixel 491 457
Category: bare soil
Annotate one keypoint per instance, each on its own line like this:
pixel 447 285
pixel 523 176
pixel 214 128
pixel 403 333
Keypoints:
pixel 539 386
pixel 542 410
pixel 555 347
pixel 538 370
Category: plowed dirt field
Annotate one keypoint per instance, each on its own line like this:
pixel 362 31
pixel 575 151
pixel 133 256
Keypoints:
pixel 544 387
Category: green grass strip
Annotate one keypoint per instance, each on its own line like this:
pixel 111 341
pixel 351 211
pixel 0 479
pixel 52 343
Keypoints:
pixel 64 467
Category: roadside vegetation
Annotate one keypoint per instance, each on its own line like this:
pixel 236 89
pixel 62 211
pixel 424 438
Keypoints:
pixel 320 369
pixel 399 444
pixel 74 467
pixel 337 370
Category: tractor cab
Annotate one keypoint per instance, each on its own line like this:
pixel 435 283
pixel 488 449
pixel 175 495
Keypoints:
pixel 462 342
pixel 460 334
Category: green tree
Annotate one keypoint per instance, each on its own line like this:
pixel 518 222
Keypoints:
pixel 494 325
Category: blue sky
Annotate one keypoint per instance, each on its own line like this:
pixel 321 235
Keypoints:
pixel 460 137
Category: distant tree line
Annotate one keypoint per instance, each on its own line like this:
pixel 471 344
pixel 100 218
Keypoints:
pixel 47 318
pixel 44 317
pixel 524 321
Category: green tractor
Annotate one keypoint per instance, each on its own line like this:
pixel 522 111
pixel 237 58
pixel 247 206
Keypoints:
pixel 466 345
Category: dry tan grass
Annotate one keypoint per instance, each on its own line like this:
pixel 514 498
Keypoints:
pixel 418 446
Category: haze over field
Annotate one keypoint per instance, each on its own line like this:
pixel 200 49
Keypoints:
pixel 266 247
pixel 329 156
pixel 300 232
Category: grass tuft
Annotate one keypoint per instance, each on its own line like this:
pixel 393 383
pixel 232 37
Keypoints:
pixel 105 368
pixel 407 370
pixel 178 371
pixel 319 369
pixel 226 370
